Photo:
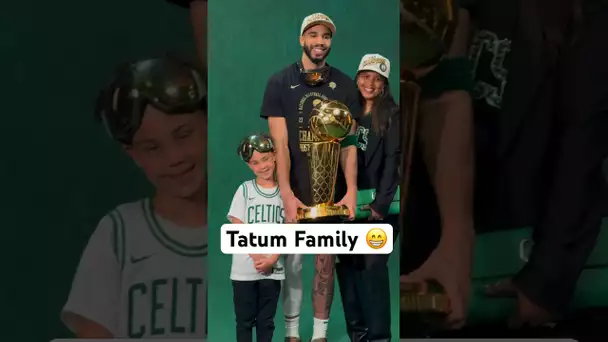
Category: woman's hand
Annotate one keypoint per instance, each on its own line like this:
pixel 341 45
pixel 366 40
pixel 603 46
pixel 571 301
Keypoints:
pixel 374 215
pixel 527 312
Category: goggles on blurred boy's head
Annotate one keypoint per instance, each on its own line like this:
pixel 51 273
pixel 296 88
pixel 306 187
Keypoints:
pixel 260 142
pixel 171 86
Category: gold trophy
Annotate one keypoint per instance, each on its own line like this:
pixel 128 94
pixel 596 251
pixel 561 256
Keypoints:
pixel 427 30
pixel 329 123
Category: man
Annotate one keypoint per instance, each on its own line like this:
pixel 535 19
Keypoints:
pixel 288 100
pixel 143 272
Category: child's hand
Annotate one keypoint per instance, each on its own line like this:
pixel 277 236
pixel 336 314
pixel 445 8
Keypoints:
pixel 264 265
pixel 257 257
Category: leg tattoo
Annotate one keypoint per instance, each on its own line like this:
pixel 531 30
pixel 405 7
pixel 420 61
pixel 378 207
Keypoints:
pixel 323 286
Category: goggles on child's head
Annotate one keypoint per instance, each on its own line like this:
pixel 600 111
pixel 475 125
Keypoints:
pixel 315 77
pixel 171 86
pixel 257 142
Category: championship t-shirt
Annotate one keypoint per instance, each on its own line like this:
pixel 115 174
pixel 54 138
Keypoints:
pixel 287 95
pixel 253 204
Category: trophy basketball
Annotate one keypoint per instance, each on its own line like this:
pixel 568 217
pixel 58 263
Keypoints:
pixel 330 122
pixel 427 29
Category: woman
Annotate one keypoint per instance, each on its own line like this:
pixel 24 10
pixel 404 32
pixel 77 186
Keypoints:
pixel 364 279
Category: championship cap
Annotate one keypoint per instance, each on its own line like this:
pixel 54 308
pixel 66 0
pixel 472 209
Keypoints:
pixel 318 19
pixel 375 62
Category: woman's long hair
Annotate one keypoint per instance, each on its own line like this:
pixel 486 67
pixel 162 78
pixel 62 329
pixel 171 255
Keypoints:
pixel 383 109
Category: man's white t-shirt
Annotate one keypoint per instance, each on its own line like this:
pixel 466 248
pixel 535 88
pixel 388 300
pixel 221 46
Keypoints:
pixel 253 204
pixel 142 276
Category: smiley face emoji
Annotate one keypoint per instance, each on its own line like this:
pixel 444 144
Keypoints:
pixel 376 238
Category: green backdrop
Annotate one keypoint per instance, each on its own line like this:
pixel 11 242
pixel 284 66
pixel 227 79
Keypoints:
pixel 249 42
pixel 59 172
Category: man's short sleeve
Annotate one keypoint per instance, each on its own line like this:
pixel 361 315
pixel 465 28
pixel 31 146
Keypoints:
pixel 237 207
pixel 95 292
pixel 272 105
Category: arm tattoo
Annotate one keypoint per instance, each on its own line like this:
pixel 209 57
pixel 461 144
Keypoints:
pixel 323 285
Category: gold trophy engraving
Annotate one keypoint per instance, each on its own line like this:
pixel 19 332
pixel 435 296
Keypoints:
pixel 330 122
pixel 427 30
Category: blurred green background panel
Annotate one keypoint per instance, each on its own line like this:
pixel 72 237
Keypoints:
pixel 59 172
pixel 248 43
pixel 501 254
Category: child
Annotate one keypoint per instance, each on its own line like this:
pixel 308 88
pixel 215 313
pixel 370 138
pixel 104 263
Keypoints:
pixel 256 278
pixel 142 274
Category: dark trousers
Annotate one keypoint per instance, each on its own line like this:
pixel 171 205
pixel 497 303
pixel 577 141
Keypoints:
pixel 255 305
pixel 576 200
pixel 365 291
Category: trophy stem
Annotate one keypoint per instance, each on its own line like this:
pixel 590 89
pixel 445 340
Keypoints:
pixel 323 162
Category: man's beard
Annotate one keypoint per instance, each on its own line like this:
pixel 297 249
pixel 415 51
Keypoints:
pixel 316 61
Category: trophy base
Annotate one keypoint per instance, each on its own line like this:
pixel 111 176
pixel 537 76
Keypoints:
pixel 414 300
pixel 323 212
pixel 425 303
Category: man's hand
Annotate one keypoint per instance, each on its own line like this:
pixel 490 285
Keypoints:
pixel 527 312
pixel 450 265
pixel 264 265
pixel 374 215
pixel 291 204
pixel 350 201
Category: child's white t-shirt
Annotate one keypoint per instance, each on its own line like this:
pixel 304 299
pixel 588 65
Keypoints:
pixel 253 204
pixel 138 264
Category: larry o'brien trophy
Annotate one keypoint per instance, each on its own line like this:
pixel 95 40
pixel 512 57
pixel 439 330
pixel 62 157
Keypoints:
pixel 427 29
pixel 329 123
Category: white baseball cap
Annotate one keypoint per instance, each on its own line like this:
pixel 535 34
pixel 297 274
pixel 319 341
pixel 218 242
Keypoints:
pixel 318 19
pixel 375 62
